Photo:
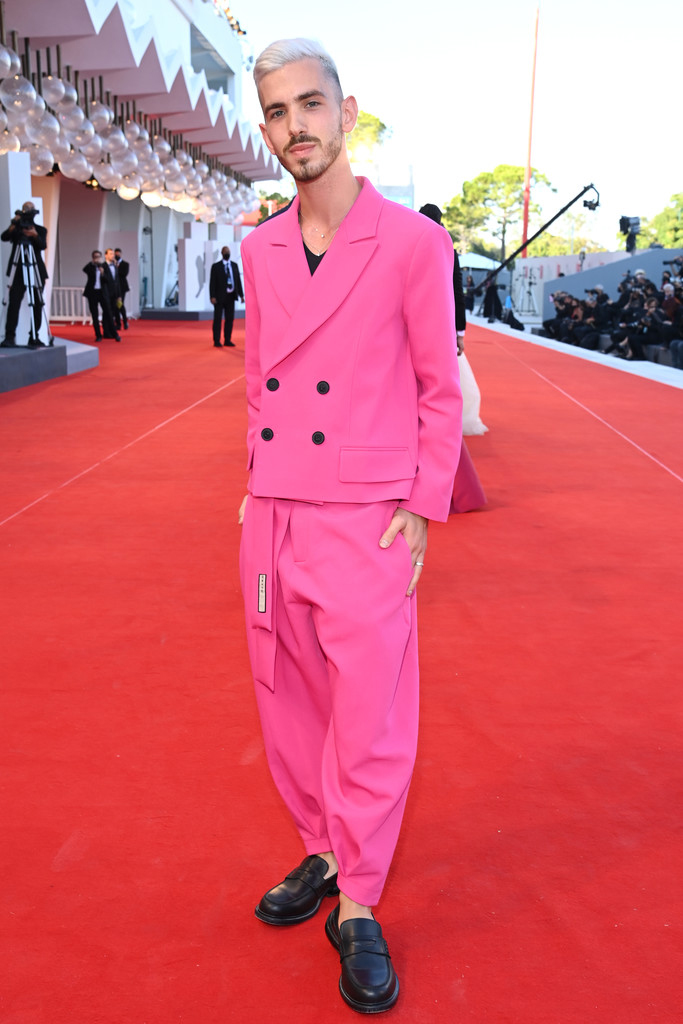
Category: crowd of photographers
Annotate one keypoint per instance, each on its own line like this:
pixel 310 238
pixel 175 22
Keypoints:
pixel 642 314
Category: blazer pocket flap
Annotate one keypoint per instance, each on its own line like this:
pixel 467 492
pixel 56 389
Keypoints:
pixel 367 465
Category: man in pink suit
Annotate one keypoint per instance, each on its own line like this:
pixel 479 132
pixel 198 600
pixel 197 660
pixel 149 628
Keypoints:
pixel 353 439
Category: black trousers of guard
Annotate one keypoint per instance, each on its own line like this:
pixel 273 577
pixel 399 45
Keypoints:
pixel 223 308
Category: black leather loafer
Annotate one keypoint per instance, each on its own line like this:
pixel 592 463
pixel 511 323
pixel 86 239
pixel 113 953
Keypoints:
pixel 368 981
pixel 300 895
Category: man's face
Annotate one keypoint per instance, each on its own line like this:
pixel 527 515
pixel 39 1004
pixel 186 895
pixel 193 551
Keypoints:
pixel 117 254
pixel 225 252
pixel 304 118
pixel 97 257
pixel 109 255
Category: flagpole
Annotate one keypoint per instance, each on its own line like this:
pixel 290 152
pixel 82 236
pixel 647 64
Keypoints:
pixel 527 176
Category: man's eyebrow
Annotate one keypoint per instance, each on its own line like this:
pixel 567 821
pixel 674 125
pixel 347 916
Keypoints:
pixel 297 99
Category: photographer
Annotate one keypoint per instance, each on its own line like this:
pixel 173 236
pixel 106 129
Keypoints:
pixel 670 304
pixel 628 335
pixel 563 310
pixel 655 327
pixel 579 329
pixel 599 308
pixel 676 272
pixel 28 242
pixel 101 291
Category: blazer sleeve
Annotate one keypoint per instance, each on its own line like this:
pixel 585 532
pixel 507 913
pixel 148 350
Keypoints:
pixel 430 319
pixel 252 361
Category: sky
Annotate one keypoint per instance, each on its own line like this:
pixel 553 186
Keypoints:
pixel 452 81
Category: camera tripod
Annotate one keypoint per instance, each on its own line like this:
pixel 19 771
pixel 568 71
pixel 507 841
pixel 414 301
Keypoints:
pixel 526 300
pixel 23 261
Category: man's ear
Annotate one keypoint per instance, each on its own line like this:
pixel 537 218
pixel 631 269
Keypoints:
pixel 349 108
pixel 264 133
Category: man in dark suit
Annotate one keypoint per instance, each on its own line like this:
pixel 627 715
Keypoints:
pixel 113 285
pixel 29 240
pixel 225 286
pixel 98 291
pixel 434 213
pixel 122 267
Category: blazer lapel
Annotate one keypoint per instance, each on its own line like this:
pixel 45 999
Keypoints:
pixel 311 299
pixel 285 260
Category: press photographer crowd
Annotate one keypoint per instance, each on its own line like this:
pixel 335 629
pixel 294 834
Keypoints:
pixel 643 314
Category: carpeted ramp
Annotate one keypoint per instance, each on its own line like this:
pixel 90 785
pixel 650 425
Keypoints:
pixel 537 879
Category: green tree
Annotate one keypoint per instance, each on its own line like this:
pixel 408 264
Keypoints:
pixel 665 227
pixel 496 198
pixel 271 203
pixel 572 239
pixel 366 137
pixel 464 220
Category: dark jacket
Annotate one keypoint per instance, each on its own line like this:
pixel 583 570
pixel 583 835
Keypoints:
pixel 218 283
pixel 112 282
pixel 14 233
pixel 123 268
pixel 109 283
pixel 460 307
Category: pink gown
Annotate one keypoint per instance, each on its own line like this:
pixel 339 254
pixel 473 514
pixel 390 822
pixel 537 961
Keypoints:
pixel 468 494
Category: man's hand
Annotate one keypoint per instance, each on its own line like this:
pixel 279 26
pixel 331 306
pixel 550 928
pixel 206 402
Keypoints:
pixel 213 302
pixel 414 529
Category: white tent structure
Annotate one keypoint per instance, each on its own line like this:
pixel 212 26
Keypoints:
pixel 473 261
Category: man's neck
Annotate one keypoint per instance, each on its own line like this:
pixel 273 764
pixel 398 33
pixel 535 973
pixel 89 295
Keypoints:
pixel 326 201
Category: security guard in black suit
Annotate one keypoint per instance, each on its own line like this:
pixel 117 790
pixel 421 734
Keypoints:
pixel 225 287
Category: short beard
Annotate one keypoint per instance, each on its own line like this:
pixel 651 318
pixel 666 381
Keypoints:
pixel 304 169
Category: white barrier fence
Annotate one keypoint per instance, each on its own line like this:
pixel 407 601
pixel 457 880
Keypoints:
pixel 69 304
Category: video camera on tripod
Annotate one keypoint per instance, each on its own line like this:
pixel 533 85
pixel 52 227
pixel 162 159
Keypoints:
pixel 26 221
pixel 26 272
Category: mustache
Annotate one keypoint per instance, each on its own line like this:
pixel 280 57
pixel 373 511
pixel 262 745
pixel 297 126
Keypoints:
pixel 299 140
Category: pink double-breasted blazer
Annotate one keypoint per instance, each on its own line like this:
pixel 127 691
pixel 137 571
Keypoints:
pixel 352 375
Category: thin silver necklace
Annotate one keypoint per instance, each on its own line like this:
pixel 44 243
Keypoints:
pixel 329 235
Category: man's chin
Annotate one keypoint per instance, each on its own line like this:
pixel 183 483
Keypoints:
pixel 303 170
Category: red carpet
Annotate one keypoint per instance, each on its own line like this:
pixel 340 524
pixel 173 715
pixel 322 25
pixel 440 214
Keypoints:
pixel 538 876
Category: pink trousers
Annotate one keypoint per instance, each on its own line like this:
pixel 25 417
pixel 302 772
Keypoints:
pixel 333 642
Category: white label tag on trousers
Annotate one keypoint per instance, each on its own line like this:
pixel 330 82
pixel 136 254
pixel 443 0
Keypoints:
pixel 262 592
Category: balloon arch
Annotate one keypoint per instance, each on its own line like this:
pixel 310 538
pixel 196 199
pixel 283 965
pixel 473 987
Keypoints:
pixel 90 141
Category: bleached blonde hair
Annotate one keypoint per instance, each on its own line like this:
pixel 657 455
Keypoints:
pixel 288 51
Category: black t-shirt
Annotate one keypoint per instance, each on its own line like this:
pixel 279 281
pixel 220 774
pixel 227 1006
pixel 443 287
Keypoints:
pixel 313 260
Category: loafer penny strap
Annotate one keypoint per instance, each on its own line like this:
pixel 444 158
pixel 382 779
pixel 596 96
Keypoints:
pixel 377 946
pixel 308 875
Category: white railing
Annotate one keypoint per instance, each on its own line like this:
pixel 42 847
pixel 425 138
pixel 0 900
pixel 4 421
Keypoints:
pixel 69 304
